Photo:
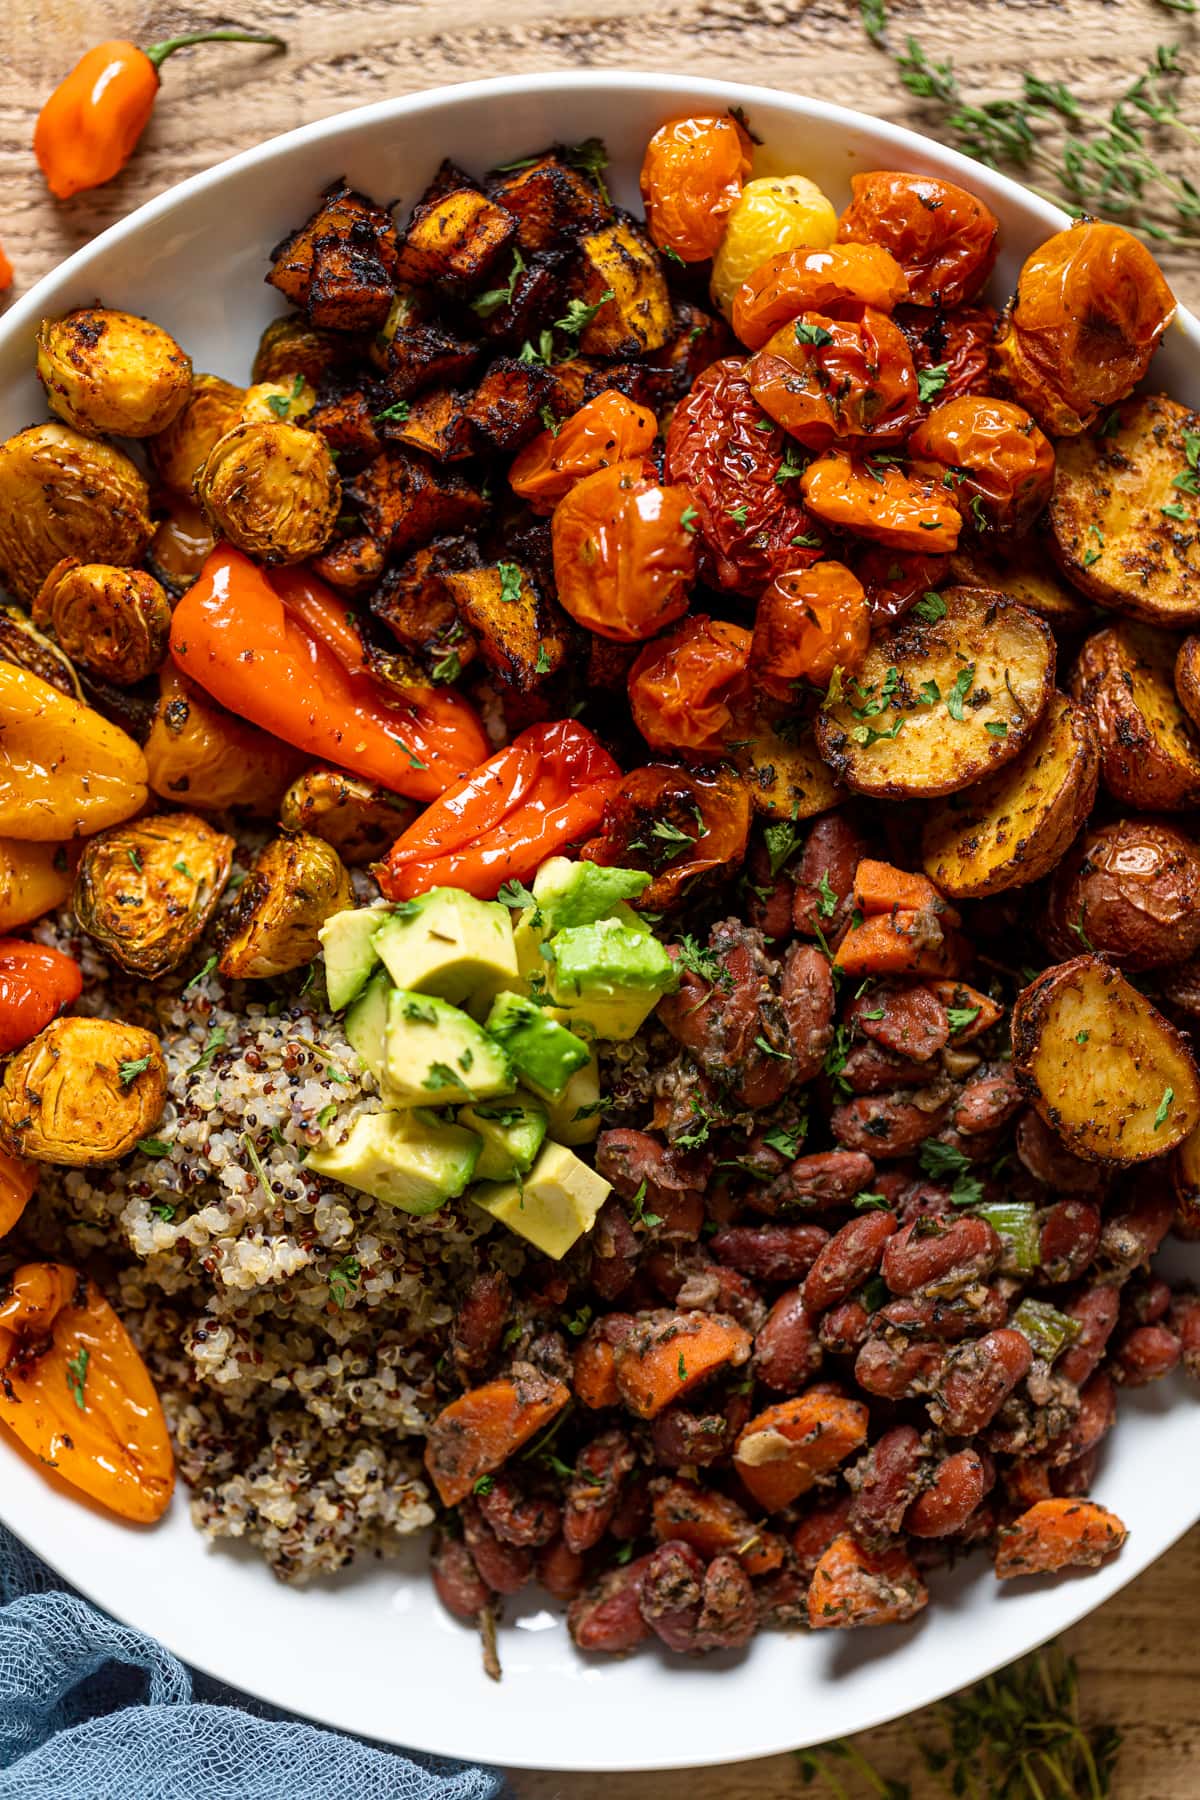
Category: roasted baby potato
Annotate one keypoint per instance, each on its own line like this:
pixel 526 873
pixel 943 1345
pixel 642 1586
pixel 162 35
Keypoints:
pixel 34 879
pixel 776 756
pixel 210 410
pixel 106 371
pixel 1125 517
pixel 1187 678
pixel 1149 758
pixel 200 755
pixel 22 643
pixel 1105 1070
pixel 521 636
pixel 360 820
pixel 1130 890
pixel 146 891
pixel 1012 827
pixel 272 490
pixel 290 346
pixel 1024 571
pixel 621 276
pixel 454 241
pixel 340 267
pixel 296 883
pixel 116 622
pixel 938 705
pixel 62 494
pixel 64 770
pixel 82 1092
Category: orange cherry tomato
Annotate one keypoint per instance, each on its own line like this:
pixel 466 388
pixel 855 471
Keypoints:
pixel 18 1179
pixel 880 501
pixel 894 579
pixel 35 984
pixel 809 622
pixel 943 238
pixel 951 352
pixel 846 276
pixel 692 179
pixel 1090 307
pixel 1003 464
pixel 823 378
pixel 608 429
pixel 624 556
pixel 680 685
pixel 703 820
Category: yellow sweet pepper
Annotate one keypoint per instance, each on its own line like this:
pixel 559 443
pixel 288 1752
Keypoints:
pixel 65 771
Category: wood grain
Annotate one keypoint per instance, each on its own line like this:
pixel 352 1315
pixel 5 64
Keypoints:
pixel 1140 1655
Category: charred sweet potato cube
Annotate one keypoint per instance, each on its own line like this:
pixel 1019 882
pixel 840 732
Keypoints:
pixel 522 637
pixel 350 565
pixel 415 604
pixel 395 668
pixel 422 356
pixel 649 384
pixel 456 241
pixel 341 266
pixel 435 422
pixel 537 296
pixel 507 408
pixel 448 178
pixel 347 423
pixel 697 339
pixel 405 499
pixel 553 203
pixel 619 262
pixel 571 384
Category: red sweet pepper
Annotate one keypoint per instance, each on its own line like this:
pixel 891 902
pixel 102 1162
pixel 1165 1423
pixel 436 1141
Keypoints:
pixel 35 984
pixel 282 651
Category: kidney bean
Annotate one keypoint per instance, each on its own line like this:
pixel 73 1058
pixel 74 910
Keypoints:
pixel 1068 1241
pixel 913 1021
pixel 680 1436
pixel 728 1616
pixel 781 1600
pixel 505 1567
pixel 1145 1301
pixel 632 1517
pixel 824 1520
pixel 1133 1231
pixel 786 1351
pixel 806 992
pixel 608 1616
pixel 1049 1161
pixel 988 1101
pixel 844 1328
pixel 1092 1423
pixel 923 1200
pixel 479 1322
pixel 1185 1320
pixel 457 1582
pixel 828 1179
pixel 941 1257
pixel 848 1258
pixel 870 1069
pixel 1075 1479
pixel 560 1571
pixel 977 1378
pixel 769 1252
pixel 887 1124
pixel 1145 1355
pixel 517 1517
pixel 592 1493
pixel 885 1482
pixel 718 1021
pixel 672 1593
pixel 768 897
pixel 615 1251
pixel 629 1158
pixel 956 1488
pixel 925 1316
pixel 832 852
pixel 1095 1311
pixel 898 1371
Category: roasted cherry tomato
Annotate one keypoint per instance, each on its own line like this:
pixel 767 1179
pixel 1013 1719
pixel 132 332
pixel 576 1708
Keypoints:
pixel 750 522
pixel 35 984
pixel 823 379
pixel 702 819
pixel 809 623
pixel 692 178
pixel 895 579
pixel 951 352
pixel 624 552
pixel 680 686
pixel 943 238
pixel 1003 464
pixel 775 213
pixel 880 501
pixel 608 429
pixel 18 1179
pixel 1090 307
pixel 846 276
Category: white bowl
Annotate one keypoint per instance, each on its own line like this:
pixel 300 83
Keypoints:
pixel 373 1652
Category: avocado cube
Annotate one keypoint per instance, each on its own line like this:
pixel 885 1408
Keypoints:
pixel 447 943
pixel 365 1024
pixel 608 976
pixel 512 1133
pixel 555 1204
pixel 539 1047
pixel 578 893
pixel 436 1055
pixel 347 939
pixel 574 1116
pixel 411 1160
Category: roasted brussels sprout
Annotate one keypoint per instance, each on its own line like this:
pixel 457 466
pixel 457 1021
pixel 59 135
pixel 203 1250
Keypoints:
pixel 114 621
pixel 295 884
pixel 200 754
pixel 291 346
pixel 22 643
pixel 291 397
pixel 83 1091
pixel 109 371
pixel 147 890
pixel 210 410
pixel 272 490
pixel 360 820
pixel 62 494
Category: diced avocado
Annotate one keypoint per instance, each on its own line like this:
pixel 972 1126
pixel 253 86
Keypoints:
pixel 447 943
pixel 437 1055
pixel 412 1160
pixel 609 976
pixel 512 1131
pixel 365 1024
pixel 574 1118
pixel 555 1204
pixel 350 953
pixel 539 1047
pixel 578 893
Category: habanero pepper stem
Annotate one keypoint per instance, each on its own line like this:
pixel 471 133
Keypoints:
pixel 89 127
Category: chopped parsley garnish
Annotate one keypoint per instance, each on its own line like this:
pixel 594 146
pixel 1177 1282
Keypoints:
pixel 959 1017
pixel 579 314
pixel 422 1010
pixel 1164 1107
pixel 868 1202
pixel 515 893
pixel 670 834
pixel 996 728
pixel 510 583
pixel 448 667
pixel 491 302
pixel 930 607
pixel 414 761
pixel 399 410
pixel 163 1209
pixel 135 859
pixel 681 1368
pixel 281 404
pixel 1177 510
pixel 739 514
pixel 688 517
pixel 959 692
pixel 932 381
pixel 440 1075
pixel 591 156
pixel 768 1049
pixel 543 664
pixel 484 1484
pixel 782 840
pixel 579 1323
pixel 327 1114
pixel 77 1368
pixel 867 734
pixel 344 1278
pixel 257 1164
pixel 807 333
pixel 1093 555
pixel 129 1071
pixel 1076 926
pixel 786 1139
pixel 1081 1037
pixel 929 693
pixel 203 973
pixel 790 467
pixel 181 868
pixel 152 1146
pixel 827 900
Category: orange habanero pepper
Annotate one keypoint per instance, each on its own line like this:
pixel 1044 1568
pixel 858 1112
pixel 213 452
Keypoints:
pixel 36 982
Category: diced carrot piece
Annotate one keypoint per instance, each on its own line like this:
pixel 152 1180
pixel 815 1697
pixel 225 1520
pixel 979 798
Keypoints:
pixel 712 1523
pixel 964 998
pixel 898 943
pixel 880 887
pixel 595 1377
pixel 668 1354
pixel 17 1182
pixel 781 1452
pixel 1058 1534
pixel 851 1587
pixel 479 1431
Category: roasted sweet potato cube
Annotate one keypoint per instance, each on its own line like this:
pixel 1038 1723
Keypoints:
pixel 649 384
pixel 341 266
pixel 435 422
pixel 618 260
pixel 521 636
pixel 414 603
pixel 537 297
pixel 448 178
pixel 697 339
pixel 571 380
pixel 395 668
pixel 507 408
pixel 422 356
pixel 347 423
pixel 553 203
pixel 405 500
pixel 456 241
pixel 350 565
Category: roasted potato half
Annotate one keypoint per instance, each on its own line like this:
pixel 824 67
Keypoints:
pixel 1185 1176
pixel 116 622
pixel 777 759
pixel 1012 827
pixel 296 883
pixel 147 890
pixel 1125 514
pixel 1149 759
pixel 360 820
pixel 22 643
pixel 106 371
pixel 210 410
pixel 291 397
pixel 83 1091
pixel 200 755
pixel 1025 571
pixel 272 490
pixel 1187 678
pixel 1105 1070
pixel 1129 889
pixel 63 494
pixel 938 705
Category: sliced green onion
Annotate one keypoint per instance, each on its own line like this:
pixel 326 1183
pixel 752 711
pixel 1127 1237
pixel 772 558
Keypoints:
pixel 1016 1222
pixel 1048 1330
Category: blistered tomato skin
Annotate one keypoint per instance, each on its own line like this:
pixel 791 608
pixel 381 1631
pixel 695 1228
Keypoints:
pixel 881 502
pixel 894 580
pixel 823 378
pixel 624 557
pixel 692 178
pixel 606 430
pixel 1003 463
pixel 708 809
pixel 836 281
pixel 952 351
pixel 680 685
pixel 809 622
pixel 1090 307
pixel 943 238
pixel 775 213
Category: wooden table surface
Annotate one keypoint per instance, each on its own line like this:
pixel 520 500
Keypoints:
pixel 1140 1655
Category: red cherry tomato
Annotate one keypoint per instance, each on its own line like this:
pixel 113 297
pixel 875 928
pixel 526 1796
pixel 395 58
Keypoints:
pixel 943 238
pixel 951 352
pixel 608 429
pixel 624 555
pixel 809 622
pixel 708 815
pixel 680 686
pixel 823 379
pixel 837 282
pixel 1003 463
pixel 35 984
pixel 882 502
pixel 895 579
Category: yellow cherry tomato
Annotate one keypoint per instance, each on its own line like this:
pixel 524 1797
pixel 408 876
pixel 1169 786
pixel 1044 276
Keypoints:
pixel 776 212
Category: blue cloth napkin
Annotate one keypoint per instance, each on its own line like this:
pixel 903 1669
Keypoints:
pixel 93 1710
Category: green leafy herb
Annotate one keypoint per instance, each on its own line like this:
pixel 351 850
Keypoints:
pixel 868 1202
pixel 827 900
pixel 257 1165
pixel 483 1484
pixel 739 514
pixel 77 1369
pixel 281 404
pixel 930 607
pixel 670 834
pixel 1077 927
pixel 398 410
pixel 163 1210
pixel 592 157
pixel 440 1075
pixel 624 1554
pixel 510 582
pixel 868 735
pixel 790 467
pixel 808 333
pixel 688 517
pixel 448 667
pixel 543 664
pixel 782 840
pixel 153 1146
pixel 515 893
pixel 128 1072
pixel 1092 554
pixel 203 973
pixel 768 1049
pixel 327 1114
pixel 1176 510
pixel 959 1017
pixel 1164 1107
pixel 135 859
pixel 681 1368
pixel 931 381
pixel 938 1160
pixel 495 298
pixel 344 1278
pixel 638 1214
pixel 544 351
pixel 590 1110
pixel 579 314
pixel 959 692
pixel 996 728
pixel 929 693
pixel 579 1322
pixel 786 1139
pixel 414 761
